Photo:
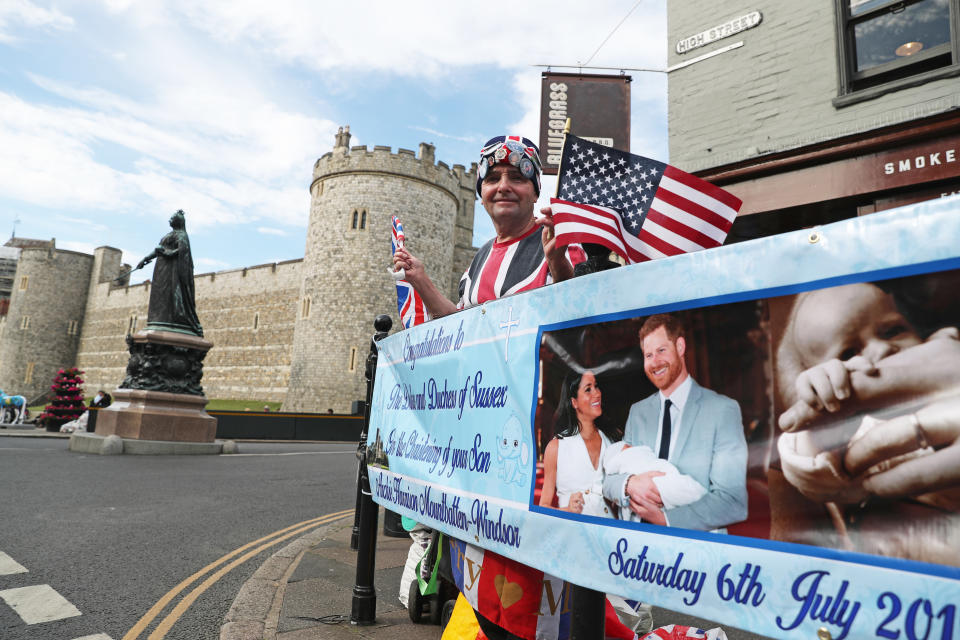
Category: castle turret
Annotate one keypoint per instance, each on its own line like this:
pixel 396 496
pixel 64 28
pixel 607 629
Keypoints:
pixel 346 283
pixel 42 328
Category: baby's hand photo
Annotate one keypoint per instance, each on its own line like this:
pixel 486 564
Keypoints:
pixel 823 387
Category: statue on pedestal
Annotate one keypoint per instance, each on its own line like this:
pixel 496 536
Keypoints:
pixel 172 301
pixel 161 398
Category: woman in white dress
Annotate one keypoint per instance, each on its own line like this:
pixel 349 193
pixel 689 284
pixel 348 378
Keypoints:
pixel 572 470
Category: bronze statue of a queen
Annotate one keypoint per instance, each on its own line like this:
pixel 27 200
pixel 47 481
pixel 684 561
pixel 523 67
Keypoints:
pixel 172 302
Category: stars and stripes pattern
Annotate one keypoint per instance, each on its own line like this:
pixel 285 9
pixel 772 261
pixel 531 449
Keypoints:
pixel 409 303
pixel 640 208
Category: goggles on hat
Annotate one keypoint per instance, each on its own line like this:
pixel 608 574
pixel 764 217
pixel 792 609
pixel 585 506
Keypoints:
pixel 514 150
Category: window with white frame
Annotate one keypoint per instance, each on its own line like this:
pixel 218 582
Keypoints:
pixel 887 45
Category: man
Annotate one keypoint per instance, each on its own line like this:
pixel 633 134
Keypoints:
pixel 102 400
pixel 523 256
pixel 698 430
pixel 519 258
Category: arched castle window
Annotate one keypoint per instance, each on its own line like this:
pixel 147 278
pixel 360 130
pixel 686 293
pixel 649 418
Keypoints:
pixel 28 376
pixel 23 282
pixel 358 220
pixel 73 327
pixel 25 322
pixel 131 324
pixel 352 362
pixel 305 309
pixel 256 320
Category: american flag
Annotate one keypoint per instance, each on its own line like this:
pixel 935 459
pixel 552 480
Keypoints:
pixel 409 304
pixel 640 208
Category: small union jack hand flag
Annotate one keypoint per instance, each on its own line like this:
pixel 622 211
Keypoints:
pixel 409 303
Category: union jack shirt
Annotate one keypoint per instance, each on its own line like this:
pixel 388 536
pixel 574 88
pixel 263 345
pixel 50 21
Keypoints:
pixel 502 269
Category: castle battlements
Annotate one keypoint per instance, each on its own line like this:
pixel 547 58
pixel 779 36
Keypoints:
pixel 405 163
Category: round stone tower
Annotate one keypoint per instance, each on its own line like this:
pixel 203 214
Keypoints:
pixel 346 284
pixel 41 331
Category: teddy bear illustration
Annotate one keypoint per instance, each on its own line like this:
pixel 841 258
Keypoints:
pixel 513 454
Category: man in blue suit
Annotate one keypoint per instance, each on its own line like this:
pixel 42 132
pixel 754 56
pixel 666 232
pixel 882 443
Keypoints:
pixel 698 430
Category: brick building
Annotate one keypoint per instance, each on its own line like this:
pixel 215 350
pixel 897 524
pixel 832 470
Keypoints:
pixel 296 331
pixel 816 111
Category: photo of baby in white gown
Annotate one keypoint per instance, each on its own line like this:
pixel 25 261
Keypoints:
pixel 676 489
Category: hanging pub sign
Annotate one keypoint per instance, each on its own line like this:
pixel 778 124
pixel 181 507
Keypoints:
pixel 807 477
pixel 599 106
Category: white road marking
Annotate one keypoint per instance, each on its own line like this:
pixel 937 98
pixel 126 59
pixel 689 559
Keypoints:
pixel 96 636
pixel 39 603
pixel 9 566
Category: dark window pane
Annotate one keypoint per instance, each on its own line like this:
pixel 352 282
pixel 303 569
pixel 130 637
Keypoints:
pixel 925 24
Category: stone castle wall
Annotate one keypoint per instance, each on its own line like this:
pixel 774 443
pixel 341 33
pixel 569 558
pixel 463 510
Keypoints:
pixel 42 328
pixel 247 313
pixel 346 282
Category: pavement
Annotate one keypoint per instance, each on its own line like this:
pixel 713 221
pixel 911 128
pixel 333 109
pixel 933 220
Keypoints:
pixel 305 592
pixel 29 431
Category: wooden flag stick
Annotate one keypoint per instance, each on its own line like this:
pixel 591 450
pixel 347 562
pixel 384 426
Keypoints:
pixel 566 129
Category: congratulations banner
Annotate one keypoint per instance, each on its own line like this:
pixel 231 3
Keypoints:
pixel 808 476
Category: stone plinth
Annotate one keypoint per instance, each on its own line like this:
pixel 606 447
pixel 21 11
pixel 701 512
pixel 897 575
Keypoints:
pixel 157 415
pixel 161 398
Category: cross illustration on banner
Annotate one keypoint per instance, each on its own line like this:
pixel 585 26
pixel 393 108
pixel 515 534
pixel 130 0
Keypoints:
pixel 508 324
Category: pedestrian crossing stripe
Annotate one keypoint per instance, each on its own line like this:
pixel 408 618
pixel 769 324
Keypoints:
pixel 9 566
pixel 38 603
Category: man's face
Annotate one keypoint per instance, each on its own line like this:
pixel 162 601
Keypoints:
pixel 663 360
pixel 507 195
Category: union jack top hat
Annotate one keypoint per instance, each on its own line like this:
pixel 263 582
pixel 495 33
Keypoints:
pixel 515 150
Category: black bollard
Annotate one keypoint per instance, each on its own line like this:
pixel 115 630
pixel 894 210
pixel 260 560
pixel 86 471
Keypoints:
pixel 587 614
pixel 361 455
pixel 364 607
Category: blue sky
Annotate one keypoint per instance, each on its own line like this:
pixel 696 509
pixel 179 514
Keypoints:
pixel 115 113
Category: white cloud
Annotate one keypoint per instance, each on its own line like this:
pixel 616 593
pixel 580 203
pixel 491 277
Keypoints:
pixel 82 247
pixel 23 13
pixel 249 162
pixel 87 223
pixel 418 38
pixel 450 136
pixel 271 231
